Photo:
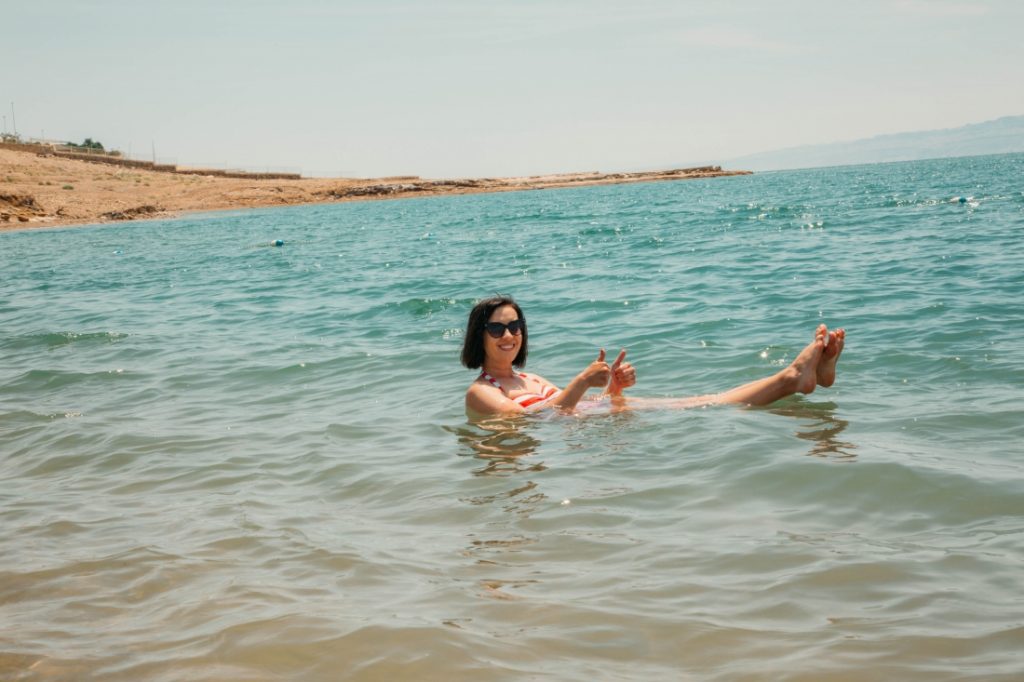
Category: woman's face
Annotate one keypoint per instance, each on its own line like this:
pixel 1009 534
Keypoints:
pixel 506 348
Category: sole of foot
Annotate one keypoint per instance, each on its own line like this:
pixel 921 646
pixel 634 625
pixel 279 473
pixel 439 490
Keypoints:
pixel 826 371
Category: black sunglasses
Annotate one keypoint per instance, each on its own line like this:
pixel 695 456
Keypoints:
pixel 497 329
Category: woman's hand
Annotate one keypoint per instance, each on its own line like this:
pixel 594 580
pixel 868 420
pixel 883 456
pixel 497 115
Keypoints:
pixel 623 375
pixel 597 374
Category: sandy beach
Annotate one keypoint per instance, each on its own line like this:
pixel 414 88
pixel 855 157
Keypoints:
pixel 46 191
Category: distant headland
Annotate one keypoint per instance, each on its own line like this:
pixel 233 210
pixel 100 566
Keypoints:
pixel 999 136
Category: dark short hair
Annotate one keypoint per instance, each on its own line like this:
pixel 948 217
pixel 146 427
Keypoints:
pixel 473 343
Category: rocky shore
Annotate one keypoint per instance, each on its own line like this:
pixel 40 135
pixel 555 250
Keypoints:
pixel 46 191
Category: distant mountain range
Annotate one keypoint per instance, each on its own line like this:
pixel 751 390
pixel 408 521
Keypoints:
pixel 1001 136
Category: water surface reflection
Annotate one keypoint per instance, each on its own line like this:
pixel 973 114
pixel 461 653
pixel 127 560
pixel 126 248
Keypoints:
pixel 823 431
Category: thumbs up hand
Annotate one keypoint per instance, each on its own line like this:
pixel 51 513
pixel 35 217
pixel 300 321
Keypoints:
pixel 597 374
pixel 623 375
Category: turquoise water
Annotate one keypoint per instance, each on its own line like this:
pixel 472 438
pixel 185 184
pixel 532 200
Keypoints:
pixel 221 460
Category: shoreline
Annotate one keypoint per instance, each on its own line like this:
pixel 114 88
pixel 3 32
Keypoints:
pixel 46 191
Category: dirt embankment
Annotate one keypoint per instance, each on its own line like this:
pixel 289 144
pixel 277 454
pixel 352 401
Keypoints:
pixel 44 191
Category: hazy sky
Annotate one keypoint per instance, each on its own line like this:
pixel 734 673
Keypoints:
pixel 476 87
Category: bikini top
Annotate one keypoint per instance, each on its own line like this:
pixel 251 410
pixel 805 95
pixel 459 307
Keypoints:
pixel 526 399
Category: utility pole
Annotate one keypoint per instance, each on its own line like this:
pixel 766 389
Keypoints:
pixel 14 122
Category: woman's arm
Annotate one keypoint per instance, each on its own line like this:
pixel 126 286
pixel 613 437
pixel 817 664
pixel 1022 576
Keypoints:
pixel 487 400
pixel 482 399
pixel 596 375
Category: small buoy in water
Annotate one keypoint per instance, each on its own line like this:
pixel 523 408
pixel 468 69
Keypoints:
pixel 962 200
pixel 278 242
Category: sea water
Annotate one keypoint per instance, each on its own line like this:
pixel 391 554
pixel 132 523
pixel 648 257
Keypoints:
pixel 222 459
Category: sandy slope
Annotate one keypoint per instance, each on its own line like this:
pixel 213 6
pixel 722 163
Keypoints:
pixel 42 191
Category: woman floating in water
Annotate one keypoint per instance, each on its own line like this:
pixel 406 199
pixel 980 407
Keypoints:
pixel 495 342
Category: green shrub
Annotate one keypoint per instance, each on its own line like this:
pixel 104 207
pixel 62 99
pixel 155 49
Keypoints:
pixel 88 143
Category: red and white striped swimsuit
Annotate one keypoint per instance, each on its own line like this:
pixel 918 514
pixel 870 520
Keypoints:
pixel 525 400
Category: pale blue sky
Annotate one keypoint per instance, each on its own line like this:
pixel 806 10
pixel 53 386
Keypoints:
pixel 472 87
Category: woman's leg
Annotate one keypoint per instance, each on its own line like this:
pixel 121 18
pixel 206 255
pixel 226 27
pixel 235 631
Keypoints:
pixel 814 366
pixel 800 377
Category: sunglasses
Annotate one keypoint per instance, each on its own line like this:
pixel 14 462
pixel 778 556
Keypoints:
pixel 497 329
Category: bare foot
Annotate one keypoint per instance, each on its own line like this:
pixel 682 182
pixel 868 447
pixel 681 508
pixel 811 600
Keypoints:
pixel 826 371
pixel 805 366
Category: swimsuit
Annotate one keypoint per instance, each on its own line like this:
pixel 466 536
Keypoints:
pixel 526 399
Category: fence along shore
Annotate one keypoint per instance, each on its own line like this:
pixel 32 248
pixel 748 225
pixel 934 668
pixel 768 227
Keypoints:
pixel 114 158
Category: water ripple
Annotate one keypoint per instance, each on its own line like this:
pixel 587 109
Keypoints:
pixel 227 462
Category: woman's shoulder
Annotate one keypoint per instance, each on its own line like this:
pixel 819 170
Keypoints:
pixel 482 398
pixel 480 384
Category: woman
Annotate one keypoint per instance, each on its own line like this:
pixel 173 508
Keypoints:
pixel 496 339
